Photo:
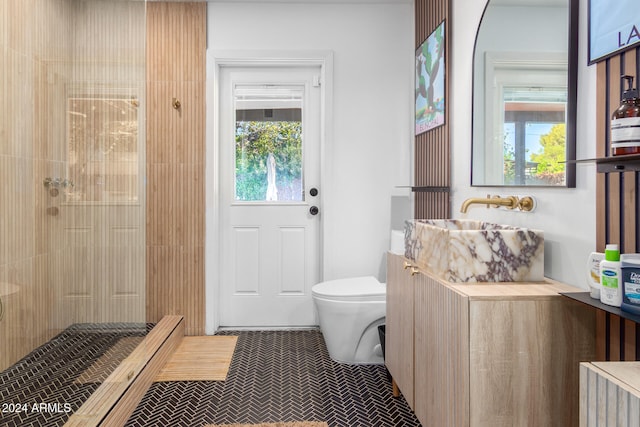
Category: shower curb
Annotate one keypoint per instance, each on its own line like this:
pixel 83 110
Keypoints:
pixel 117 397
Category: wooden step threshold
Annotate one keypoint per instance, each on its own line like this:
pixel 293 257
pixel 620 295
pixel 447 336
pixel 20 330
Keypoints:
pixel 117 397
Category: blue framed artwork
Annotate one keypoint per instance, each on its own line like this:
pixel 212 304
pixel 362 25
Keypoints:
pixel 430 82
pixel 613 27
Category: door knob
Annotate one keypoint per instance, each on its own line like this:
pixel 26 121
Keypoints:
pixel 313 210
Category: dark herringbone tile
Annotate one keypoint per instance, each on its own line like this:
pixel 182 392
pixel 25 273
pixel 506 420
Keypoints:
pixel 39 390
pixel 279 376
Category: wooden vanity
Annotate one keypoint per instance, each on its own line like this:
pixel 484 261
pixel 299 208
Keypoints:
pixel 485 354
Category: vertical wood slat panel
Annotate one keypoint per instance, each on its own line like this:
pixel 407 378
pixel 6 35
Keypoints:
pixel 629 178
pixel 605 399
pixel 442 352
pixel 400 327
pixel 613 196
pixel 176 47
pixel 601 129
pixel 432 148
pixel 616 202
pixel 629 340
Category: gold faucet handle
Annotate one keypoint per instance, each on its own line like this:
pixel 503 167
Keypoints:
pixel 407 265
pixel 509 202
pixel 526 204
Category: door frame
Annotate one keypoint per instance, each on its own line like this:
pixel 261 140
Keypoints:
pixel 216 59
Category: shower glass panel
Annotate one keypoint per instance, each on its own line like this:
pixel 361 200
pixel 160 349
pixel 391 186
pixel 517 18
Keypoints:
pixel 72 201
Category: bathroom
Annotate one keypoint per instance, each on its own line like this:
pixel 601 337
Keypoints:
pixel 367 160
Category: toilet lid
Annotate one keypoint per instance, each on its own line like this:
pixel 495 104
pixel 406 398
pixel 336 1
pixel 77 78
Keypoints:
pixel 350 288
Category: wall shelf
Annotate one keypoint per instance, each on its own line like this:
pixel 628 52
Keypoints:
pixel 426 189
pixel 585 298
pixel 627 163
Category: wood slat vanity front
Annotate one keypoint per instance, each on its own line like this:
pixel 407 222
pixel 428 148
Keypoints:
pixel 486 354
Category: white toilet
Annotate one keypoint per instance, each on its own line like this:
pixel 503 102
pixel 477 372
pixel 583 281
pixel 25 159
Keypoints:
pixel 350 311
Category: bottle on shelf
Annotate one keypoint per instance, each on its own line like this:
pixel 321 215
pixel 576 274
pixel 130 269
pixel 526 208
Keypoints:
pixel 625 122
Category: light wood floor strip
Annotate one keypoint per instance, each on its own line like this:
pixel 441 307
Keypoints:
pixel 200 359
pixel 116 398
pixel 99 370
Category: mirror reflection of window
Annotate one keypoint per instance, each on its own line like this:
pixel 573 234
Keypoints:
pixel 535 135
pixel 102 149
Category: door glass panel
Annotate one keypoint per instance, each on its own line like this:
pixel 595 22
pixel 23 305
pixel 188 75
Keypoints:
pixel 268 143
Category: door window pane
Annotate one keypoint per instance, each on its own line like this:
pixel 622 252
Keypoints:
pixel 268 143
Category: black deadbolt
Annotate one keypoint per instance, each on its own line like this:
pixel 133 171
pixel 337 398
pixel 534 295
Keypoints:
pixel 313 192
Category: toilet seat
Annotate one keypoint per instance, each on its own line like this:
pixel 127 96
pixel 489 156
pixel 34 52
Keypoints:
pixel 352 289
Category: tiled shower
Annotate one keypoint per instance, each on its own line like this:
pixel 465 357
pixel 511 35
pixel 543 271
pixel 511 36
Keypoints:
pixel 72 155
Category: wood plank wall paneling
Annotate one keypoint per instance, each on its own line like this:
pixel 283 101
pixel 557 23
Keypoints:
pixel 432 148
pixel 616 203
pixel 176 56
pixel 605 399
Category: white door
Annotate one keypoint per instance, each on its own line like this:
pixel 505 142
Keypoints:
pixel 270 195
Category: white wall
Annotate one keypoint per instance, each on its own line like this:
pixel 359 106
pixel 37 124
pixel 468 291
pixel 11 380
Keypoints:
pixel 567 216
pixel 369 144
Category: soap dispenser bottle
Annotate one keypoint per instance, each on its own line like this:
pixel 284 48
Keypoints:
pixel 625 122
pixel 610 277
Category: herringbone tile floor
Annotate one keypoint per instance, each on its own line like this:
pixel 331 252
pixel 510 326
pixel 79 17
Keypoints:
pixel 41 389
pixel 279 376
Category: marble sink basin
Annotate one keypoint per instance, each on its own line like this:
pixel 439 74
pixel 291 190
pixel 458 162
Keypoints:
pixel 475 251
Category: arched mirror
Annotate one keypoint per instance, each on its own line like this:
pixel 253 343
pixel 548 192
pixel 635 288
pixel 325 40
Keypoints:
pixel 524 94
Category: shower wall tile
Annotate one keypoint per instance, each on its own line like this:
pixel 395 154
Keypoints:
pixel 19 104
pixel 122 39
pixel 20 210
pixel 53 36
pixel 4 19
pixel 50 107
pixel 42 301
pixel 5 204
pixel 18 322
pixel 21 25
pixel 4 102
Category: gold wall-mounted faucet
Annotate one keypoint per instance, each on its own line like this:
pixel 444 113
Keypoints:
pixel 510 202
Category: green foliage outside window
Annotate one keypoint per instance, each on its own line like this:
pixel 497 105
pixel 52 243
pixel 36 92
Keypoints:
pixel 254 141
pixel 550 169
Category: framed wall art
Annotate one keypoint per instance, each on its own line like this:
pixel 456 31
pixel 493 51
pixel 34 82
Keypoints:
pixel 430 81
pixel 613 27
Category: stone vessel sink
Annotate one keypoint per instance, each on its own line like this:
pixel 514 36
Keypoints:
pixel 475 251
